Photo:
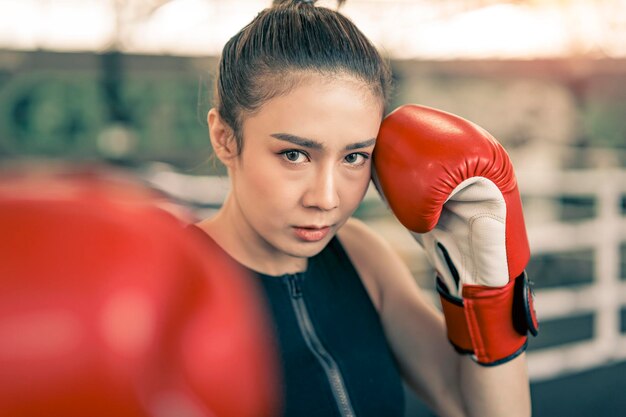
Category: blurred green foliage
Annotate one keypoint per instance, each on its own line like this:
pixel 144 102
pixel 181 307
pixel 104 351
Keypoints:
pixel 66 105
pixel 63 113
pixel 51 114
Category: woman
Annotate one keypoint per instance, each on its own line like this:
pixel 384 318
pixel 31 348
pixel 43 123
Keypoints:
pixel 300 97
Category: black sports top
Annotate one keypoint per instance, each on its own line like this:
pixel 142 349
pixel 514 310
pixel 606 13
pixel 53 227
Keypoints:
pixel 334 354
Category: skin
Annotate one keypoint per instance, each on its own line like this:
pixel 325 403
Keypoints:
pixel 279 183
pixel 295 171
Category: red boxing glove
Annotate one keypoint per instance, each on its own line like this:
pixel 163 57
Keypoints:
pixel 110 307
pixel 452 185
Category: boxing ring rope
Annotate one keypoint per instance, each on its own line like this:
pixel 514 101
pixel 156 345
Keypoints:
pixel 603 297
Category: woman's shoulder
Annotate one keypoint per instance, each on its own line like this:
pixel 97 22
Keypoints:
pixel 360 240
pixel 373 257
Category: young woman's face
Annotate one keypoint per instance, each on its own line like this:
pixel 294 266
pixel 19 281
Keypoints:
pixel 306 162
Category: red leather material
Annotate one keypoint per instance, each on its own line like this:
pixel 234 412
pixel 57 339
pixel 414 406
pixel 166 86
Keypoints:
pixel 517 247
pixel 110 307
pixel 421 156
pixel 489 318
pixel 431 152
pixel 490 322
pixel 458 332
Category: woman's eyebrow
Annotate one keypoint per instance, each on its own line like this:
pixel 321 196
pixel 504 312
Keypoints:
pixel 297 140
pixel 359 145
pixel 312 144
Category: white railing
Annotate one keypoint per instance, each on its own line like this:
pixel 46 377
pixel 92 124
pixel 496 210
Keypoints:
pixel 605 296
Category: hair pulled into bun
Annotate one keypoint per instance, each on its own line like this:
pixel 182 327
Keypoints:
pixel 278 3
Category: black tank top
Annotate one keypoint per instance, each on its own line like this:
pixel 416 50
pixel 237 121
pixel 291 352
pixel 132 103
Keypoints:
pixel 334 355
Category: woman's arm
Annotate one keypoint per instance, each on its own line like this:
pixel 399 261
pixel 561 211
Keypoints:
pixel 501 390
pixel 450 383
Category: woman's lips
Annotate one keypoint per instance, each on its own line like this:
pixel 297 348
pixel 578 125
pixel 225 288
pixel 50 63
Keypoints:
pixel 311 233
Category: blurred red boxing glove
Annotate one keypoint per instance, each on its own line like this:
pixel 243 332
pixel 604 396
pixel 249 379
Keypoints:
pixel 110 307
pixel 452 185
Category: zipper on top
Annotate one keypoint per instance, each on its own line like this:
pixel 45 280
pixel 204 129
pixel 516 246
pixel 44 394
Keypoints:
pixel 329 365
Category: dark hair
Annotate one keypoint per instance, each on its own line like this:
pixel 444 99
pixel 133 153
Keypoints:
pixel 268 57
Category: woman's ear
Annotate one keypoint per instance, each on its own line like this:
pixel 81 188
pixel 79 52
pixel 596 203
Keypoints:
pixel 222 138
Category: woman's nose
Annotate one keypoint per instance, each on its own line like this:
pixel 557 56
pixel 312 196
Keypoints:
pixel 323 191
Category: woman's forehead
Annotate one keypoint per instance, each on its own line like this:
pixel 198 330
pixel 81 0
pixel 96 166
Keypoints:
pixel 320 115
pixel 321 97
pixel 292 85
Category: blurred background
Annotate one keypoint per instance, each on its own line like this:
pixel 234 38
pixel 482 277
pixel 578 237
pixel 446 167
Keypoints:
pixel 128 83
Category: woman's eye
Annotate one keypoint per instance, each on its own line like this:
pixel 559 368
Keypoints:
pixel 294 156
pixel 356 159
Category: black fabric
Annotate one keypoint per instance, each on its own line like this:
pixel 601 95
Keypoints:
pixel 348 326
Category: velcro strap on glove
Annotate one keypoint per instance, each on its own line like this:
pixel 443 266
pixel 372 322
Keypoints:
pixel 492 323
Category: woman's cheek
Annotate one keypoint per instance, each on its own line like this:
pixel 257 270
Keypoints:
pixel 268 181
pixel 353 191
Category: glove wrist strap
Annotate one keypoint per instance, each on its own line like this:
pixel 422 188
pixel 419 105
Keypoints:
pixel 491 323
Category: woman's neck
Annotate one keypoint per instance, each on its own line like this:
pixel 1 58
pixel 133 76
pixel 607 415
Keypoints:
pixel 230 230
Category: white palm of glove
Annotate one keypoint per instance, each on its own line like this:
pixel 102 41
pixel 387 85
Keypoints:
pixel 467 246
